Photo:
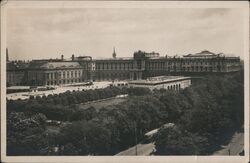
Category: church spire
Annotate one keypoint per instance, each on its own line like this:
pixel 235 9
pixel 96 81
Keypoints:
pixel 114 54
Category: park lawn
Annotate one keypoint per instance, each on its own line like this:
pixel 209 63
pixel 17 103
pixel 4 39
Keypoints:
pixel 52 129
pixel 103 103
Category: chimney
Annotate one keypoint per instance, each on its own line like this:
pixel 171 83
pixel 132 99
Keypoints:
pixel 73 57
pixel 62 57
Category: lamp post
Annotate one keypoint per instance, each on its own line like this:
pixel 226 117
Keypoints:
pixel 135 139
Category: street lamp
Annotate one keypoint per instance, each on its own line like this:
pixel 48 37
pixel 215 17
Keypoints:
pixel 229 152
pixel 135 138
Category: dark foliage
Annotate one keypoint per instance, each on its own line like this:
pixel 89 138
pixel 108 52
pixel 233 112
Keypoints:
pixel 210 110
pixel 202 114
pixel 26 135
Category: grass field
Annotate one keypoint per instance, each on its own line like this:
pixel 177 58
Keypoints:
pixel 53 129
pixel 98 105
pixel 104 103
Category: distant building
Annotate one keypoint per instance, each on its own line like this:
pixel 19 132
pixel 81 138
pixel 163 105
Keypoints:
pixel 55 73
pixel 144 65
pixel 207 61
pixel 163 82
pixel 16 73
pixel 59 72
pixel 123 68
pixel 139 67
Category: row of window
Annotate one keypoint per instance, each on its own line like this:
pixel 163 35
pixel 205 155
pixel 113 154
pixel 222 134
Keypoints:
pixel 189 68
pixel 113 76
pixel 15 77
pixel 64 74
pixel 161 68
pixel 114 66
pixel 174 87
pixel 169 87
pixel 162 64
pixel 197 63
pixel 201 68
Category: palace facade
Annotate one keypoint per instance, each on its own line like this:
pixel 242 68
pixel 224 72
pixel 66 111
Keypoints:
pixel 144 65
pixel 141 66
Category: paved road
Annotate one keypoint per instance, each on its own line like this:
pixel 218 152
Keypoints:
pixel 142 150
pixel 60 89
pixel 235 146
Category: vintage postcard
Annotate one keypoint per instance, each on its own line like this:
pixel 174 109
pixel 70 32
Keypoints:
pixel 125 81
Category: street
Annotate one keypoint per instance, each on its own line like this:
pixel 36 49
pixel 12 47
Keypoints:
pixel 59 89
pixel 142 150
pixel 235 146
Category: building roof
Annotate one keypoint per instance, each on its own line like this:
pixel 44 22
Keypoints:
pixel 114 59
pixel 54 65
pixel 204 53
pixel 83 58
pixel 142 54
pixel 159 80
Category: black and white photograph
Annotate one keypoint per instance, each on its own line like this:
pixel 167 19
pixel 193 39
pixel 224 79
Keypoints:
pixel 124 78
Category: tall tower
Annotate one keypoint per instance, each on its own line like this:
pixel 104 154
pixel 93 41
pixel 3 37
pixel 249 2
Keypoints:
pixel 7 55
pixel 114 54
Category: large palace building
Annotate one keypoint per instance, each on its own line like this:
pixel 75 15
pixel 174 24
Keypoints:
pixel 141 66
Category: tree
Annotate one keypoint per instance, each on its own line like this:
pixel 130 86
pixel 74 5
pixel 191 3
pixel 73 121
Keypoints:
pixel 86 114
pixel 203 112
pixel 26 135
pixel 138 91
pixel 174 141
pixel 88 138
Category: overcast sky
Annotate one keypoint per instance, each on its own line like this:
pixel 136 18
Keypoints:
pixel 48 33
